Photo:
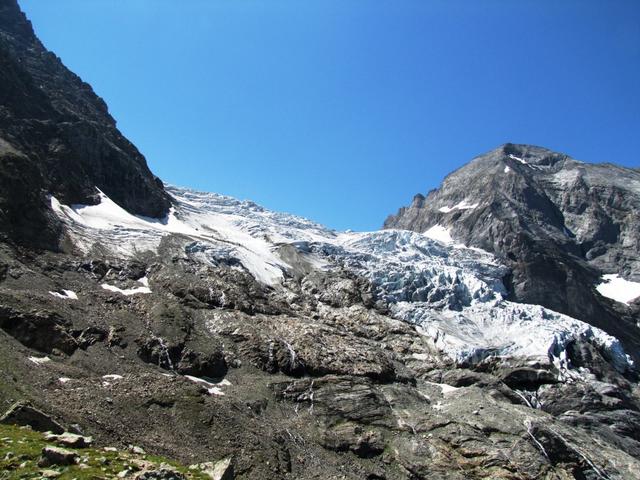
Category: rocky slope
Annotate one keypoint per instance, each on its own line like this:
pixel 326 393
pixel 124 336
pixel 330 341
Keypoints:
pixel 565 228
pixel 57 136
pixel 227 330
pixel 219 331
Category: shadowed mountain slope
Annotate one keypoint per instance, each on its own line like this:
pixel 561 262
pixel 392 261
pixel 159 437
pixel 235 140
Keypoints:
pixel 56 136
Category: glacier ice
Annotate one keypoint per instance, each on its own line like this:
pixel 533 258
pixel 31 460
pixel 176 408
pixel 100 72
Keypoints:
pixel 452 294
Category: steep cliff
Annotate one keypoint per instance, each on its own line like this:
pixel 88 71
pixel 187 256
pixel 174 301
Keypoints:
pixel 56 136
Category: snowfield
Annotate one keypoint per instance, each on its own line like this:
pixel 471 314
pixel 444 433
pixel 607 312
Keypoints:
pixel 451 293
pixel 618 289
pixel 463 205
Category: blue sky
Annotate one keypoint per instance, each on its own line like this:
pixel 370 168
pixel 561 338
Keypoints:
pixel 342 110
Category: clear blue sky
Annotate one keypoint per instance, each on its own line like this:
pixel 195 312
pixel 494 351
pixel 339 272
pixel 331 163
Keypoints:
pixel 342 110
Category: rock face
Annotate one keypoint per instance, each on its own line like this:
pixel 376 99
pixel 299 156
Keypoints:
pixel 228 331
pixel 56 136
pixel 26 415
pixel 558 223
pixel 58 456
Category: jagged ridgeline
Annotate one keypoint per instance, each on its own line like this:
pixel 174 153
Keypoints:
pixel 253 344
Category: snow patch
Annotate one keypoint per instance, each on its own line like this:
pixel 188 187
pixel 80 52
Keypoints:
pixel 212 388
pixel 39 360
pixel 507 169
pixel 444 387
pixel 513 157
pixel 65 295
pixel 463 205
pixel 112 377
pixel 439 233
pixel 617 288
pixel 64 380
pixel 420 356
pixel 129 291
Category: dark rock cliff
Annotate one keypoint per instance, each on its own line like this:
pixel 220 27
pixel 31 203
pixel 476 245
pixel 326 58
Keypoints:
pixel 560 224
pixel 57 137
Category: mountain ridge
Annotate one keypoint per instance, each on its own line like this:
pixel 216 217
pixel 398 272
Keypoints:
pixel 55 131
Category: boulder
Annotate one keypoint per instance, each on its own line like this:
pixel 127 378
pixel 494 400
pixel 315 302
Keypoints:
pixel 70 440
pixel 25 415
pixel 221 470
pixel 57 456
pixel 160 474
pixel 353 437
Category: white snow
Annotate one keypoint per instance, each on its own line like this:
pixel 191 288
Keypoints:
pixel 126 291
pixel 444 387
pixel 212 388
pixel 39 360
pixel 463 205
pixel 513 157
pixel 617 288
pixel 129 291
pixel 113 376
pixel 65 294
pixel 507 169
pixel 221 227
pixel 64 380
pixel 439 233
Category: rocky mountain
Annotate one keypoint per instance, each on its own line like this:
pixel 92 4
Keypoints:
pixel 568 230
pixel 253 344
pixel 56 136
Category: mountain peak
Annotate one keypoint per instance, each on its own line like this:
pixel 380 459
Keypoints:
pixel 58 138
pixel 532 206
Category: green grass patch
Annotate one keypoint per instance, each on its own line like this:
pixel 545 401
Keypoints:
pixel 21 449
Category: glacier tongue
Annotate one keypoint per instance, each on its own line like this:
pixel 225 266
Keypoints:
pixel 452 294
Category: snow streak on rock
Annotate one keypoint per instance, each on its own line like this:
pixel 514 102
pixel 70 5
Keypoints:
pixel 65 295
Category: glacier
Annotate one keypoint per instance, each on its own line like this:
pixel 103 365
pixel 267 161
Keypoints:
pixel 452 294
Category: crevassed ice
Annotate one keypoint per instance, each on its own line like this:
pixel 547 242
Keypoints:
pixel 453 294
pixel 457 298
